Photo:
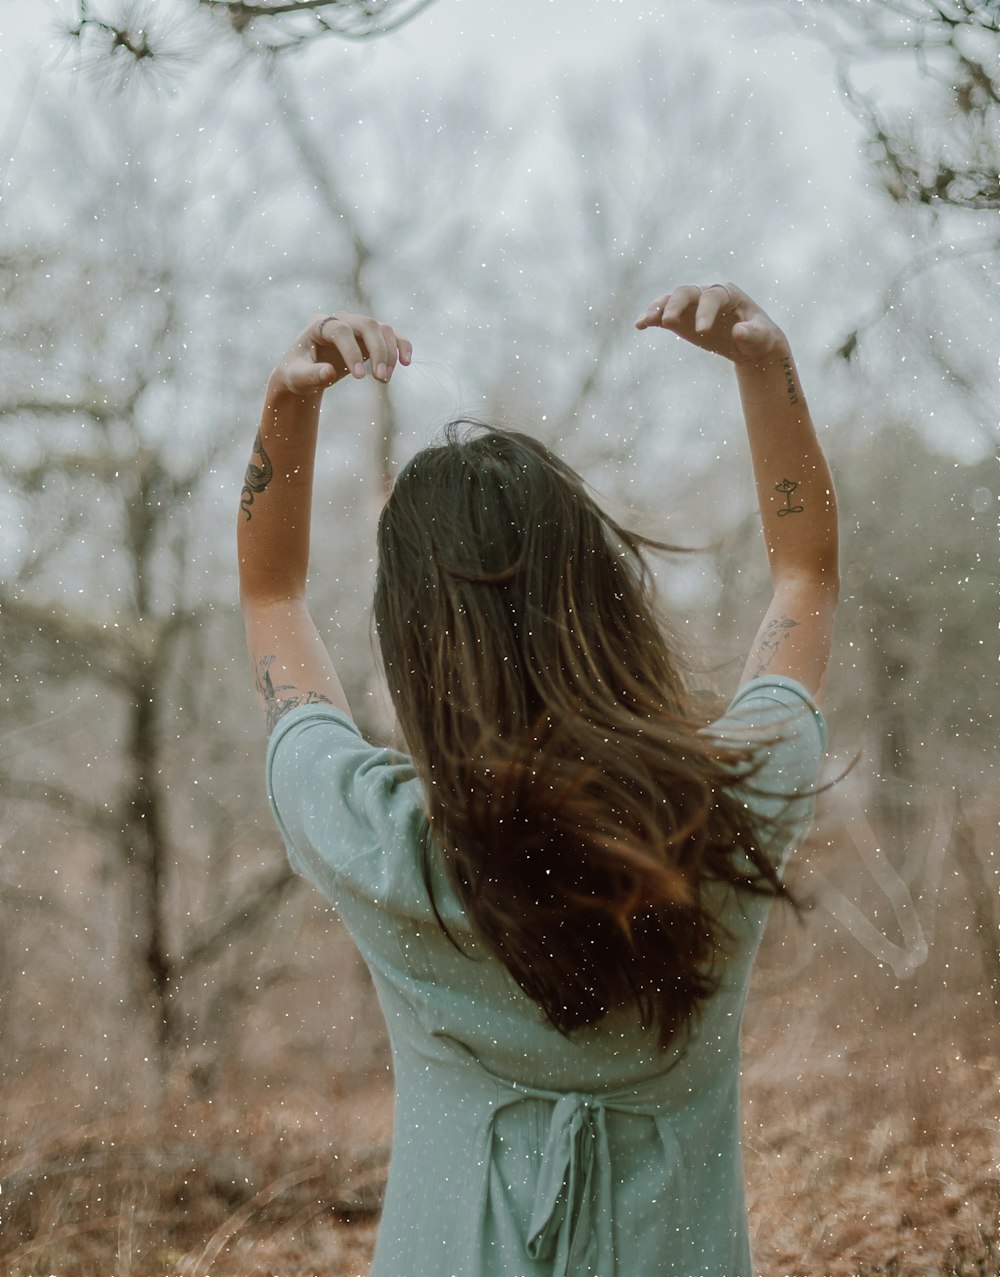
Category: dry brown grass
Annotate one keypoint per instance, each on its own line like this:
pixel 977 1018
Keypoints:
pixel 871 1103
pixel 872 1108
pixel 197 1188
pixel 846 1180
pixel 846 1177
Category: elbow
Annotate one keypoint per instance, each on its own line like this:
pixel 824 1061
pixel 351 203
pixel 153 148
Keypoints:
pixel 829 577
pixel 820 577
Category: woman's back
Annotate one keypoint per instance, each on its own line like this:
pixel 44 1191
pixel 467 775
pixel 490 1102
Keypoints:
pixel 511 1138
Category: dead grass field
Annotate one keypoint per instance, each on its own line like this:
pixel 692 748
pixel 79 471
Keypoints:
pixel 871 1124
pixel 859 1166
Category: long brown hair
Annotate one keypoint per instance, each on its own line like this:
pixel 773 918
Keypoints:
pixel 580 814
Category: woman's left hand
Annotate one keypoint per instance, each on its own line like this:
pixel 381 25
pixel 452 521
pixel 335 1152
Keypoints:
pixel 720 318
pixel 336 346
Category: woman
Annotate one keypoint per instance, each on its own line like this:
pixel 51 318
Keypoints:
pixel 561 890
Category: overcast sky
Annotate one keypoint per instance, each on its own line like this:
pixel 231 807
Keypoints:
pixel 745 44
pixel 530 48
pixel 528 43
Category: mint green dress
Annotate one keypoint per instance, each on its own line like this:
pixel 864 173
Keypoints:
pixel 517 1152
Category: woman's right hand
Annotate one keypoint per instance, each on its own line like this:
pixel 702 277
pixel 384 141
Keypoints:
pixel 720 318
pixel 338 345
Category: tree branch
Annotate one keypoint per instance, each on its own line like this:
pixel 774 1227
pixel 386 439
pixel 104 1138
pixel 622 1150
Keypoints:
pixel 352 19
pixel 244 916
pixel 125 648
pixel 981 892
pixel 96 411
pixel 39 793
pixel 955 167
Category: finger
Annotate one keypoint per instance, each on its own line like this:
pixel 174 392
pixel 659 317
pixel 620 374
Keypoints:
pixel 303 375
pixel 651 316
pixel 679 301
pixel 713 301
pixel 405 348
pixel 370 332
pixel 338 333
pixel 392 350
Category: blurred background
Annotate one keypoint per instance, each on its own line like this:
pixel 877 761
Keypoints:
pixel 194 1074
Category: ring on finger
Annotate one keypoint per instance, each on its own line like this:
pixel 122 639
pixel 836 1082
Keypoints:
pixel 322 324
pixel 724 288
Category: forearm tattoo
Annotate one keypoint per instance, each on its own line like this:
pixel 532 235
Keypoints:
pixel 774 635
pixel 257 477
pixel 277 705
pixel 793 391
pixel 788 486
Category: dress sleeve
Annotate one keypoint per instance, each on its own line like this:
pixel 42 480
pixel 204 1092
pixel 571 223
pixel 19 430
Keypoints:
pixel 351 814
pixel 779 716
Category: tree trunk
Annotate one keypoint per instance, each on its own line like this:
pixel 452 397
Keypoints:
pixel 985 923
pixel 146 850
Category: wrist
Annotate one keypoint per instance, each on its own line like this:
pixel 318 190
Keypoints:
pixel 776 357
pixel 279 394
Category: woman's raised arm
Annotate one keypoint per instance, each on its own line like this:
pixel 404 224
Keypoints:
pixel 798 506
pixel 290 663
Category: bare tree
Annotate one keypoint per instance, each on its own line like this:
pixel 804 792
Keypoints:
pixel 923 79
pixel 940 151
pixel 678 182
pixel 946 154
pixel 935 146
pixel 407 226
pixel 127 333
pixel 111 603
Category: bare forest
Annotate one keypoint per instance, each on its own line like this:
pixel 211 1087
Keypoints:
pixel 195 1078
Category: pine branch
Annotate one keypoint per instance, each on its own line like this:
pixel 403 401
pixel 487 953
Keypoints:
pixel 141 37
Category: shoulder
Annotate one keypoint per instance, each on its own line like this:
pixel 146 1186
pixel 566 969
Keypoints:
pixel 336 797
pixel 311 744
pixel 772 710
pixel 315 725
pixel 317 753
pixel 778 719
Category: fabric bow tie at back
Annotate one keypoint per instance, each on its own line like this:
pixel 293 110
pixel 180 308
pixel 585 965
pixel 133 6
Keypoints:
pixel 574 1160
pixel 570 1225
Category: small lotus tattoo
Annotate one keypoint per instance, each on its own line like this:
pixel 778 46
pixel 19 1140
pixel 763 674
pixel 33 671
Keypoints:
pixel 788 486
